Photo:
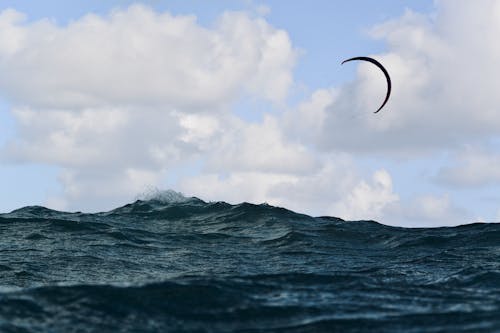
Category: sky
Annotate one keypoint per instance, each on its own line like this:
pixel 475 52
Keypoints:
pixel 236 101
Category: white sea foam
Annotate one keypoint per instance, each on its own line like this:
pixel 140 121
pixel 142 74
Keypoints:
pixel 165 196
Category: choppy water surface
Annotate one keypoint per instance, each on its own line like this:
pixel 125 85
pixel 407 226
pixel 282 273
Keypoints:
pixel 191 266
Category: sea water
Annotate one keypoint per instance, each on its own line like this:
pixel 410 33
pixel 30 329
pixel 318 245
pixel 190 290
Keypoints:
pixel 177 264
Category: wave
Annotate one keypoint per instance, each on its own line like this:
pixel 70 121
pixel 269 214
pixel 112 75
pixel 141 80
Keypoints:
pixel 269 303
pixel 171 263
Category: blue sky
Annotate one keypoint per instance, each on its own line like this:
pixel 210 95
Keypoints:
pixel 247 101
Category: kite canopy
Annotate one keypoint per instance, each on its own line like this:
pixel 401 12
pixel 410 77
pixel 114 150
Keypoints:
pixel 387 77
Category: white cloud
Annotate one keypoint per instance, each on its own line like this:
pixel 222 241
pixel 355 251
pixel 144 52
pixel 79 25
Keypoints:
pixel 434 207
pixel 255 163
pixel 93 189
pixel 104 138
pixel 140 57
pixel 472 166
pixel 259 147
pixel 236 187
pixel 308 193
pixel 118 101
pixel 367 201
pixel 444 85
pixel 304 124
pixel 198 128
pixel 334 190
pixel 427 210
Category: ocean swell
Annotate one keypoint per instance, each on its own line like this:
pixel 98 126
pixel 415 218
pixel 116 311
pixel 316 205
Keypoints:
pixel 177 264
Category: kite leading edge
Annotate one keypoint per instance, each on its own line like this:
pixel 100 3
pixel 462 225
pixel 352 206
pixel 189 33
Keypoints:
pixel 387 77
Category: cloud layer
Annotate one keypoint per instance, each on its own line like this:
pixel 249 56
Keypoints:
pixel 140 57
pixel 444 85
pixel 117 101
pixel 138 98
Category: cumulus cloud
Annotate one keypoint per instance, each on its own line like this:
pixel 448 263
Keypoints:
pixel 123 101
pixel 260 147
pixel 257 162
pixel 311 193
pixel 367 201
pixel 444 98
pixel 118 101
pixel 444 85
pixel 140 57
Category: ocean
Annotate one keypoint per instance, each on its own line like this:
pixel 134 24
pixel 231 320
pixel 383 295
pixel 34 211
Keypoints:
pixel 180 264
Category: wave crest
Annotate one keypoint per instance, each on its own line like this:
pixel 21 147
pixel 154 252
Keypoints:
pixel 163 196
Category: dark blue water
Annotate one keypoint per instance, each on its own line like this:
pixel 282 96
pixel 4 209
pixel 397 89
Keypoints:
pixel 192 266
